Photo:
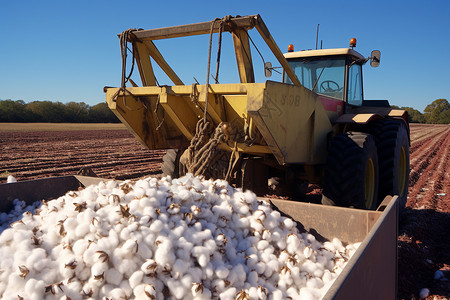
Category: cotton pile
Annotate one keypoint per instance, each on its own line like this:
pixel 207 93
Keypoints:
pixel 185 238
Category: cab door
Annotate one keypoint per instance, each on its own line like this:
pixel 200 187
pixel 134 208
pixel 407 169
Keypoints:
pixel 355 94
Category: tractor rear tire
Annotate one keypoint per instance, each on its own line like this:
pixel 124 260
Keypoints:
pixel 351 172
pixel 170 165
pixel 392 141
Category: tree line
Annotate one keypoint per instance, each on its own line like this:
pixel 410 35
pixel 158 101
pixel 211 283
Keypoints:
pixel 438 112
pixel 55 112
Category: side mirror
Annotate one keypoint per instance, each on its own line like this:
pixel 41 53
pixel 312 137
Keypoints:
pixel 375 58
pixel 268 69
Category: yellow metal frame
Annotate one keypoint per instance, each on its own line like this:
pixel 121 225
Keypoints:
pixel 285 120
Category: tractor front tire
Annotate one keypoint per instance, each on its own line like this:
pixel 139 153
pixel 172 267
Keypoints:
pixel 392 141
pixel 351 172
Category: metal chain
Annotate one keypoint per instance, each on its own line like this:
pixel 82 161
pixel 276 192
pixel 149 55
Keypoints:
pixel 201 151
pixel 125 36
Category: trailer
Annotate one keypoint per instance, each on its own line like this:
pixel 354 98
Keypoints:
pixel 371 273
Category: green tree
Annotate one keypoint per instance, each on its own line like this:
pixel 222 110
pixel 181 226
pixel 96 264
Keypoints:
pixel 415 116
pixel 14 111
pixel 100 113
pixel 77 112
pixel 47 111
pixel 438 112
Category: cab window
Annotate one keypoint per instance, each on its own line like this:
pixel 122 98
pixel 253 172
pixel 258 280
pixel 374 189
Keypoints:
pixel 324 76
pixel 355 91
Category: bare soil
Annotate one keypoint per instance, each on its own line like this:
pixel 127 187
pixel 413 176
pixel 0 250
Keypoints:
pixel 424 228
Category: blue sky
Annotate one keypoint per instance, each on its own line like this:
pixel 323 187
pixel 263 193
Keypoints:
pixel 68 50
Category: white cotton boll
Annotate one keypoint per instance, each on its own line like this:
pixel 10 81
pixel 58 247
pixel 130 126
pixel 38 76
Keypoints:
pixel 149 267
pixel 184 195
pixel 203 260
pixel 277 295
pixel 196 274
pixel 293 293
pixel 208 271
pixel 139 292
pixel 260 267
pixel 117 293
pixel 127 267
pixel 145 220
pixel 210 245
pixel 424 293
pixel 79 247
pixel 176 290
pixel 11 179
pixel 89 254
pixel 307 294
pixel 180 267
pixel 105 290
pixel 14 280
pixel 178 231
pixel 144 251
pixel 261 245
pixel 205 295
pixel 314 283
pixel 329 246
pixel 6 236
pixel 150 291
pixel 221 271
pixel 337 244
pixel 351 252
pixel 261 292
pixel 82 229
pixel 292 244
pixel 99 269
pixel 243 210
pixel 130 246
pixel 186 281
pixel 21 235
pixel 308 252
pixel 164 254
pixel 271 267
pixel 252 260
pixel 228 294
pixel 327 276
pixel 253 278
pixel 73 290
pixel 156 226
pixel 136 279
pixel 253 293
pixel 134 207
pixel 30 286
pixel 36 259
pixel 139 192
pixel 237 275
pixel 125 234
pixel 126 288
pixel 308 266
pixel 82 272
pixel 113 276
pixel 288 223
pixel 70 224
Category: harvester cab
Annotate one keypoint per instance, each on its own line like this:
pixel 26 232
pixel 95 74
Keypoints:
pixel 332 73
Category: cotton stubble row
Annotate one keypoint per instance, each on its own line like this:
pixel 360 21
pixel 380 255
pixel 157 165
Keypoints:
pixel 165 238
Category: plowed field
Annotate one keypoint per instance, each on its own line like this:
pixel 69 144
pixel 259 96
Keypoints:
pixel 424 230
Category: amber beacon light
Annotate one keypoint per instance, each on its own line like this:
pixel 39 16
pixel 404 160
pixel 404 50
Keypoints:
pixel 352 42
pixel 291 48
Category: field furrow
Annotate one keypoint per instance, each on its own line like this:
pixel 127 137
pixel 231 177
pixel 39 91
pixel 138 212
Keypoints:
pixel 424 228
